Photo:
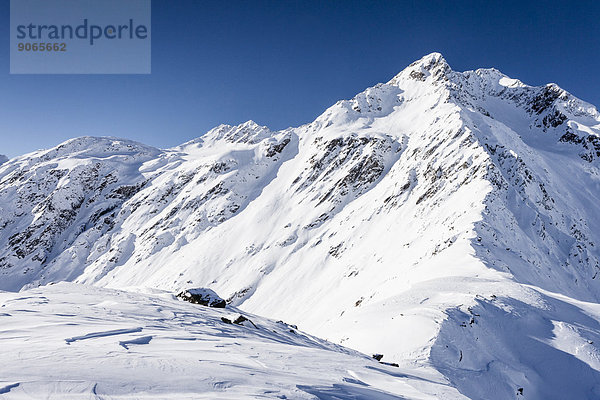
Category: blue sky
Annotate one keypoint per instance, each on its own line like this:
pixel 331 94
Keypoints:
pixel 281 63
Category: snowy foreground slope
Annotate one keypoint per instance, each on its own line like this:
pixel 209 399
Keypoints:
pixel 70 341
pixel 448 220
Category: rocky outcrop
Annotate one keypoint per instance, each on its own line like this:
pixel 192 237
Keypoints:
pixel 203 296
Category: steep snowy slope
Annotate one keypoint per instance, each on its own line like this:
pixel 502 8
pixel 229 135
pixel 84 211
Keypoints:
pixel 442 219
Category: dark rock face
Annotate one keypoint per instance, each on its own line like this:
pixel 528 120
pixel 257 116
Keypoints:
pixel 390 364
pixel 589 145
pixel 202 296
pixel 345 167
pixel 545 98
pixel 241 319
pixel 554 119
pixel 275 149
pixel 418 76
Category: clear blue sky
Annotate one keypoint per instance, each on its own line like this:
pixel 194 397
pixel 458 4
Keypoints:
pixel 281 63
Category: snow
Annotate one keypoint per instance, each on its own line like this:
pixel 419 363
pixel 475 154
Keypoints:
pixel 542 343
pixel 509 82
pixel 74 341
pixel 447 220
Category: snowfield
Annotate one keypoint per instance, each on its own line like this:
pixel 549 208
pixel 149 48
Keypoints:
pixel 447 220
pixel 69 341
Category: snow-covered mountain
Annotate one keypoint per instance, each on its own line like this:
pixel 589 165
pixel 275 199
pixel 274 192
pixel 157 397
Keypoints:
pixel 448 220
pixel 3 159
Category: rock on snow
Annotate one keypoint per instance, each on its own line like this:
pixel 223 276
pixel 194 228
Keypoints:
pixel 202 296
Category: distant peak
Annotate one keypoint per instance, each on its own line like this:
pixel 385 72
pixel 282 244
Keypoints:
pixel 250 124
pixel 430 60
pixel 98 146
pixel 432 65
pixel 247 132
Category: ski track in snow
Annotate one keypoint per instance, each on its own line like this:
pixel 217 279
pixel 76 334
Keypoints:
pixel 102 334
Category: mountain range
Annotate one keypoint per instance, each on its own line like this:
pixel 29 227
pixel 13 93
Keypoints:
pixel 449 221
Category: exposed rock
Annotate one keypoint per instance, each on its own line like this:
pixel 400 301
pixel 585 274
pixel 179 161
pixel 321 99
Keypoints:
pixel 241 319
pixel 202 296
pixel 389 364
pixel 547 96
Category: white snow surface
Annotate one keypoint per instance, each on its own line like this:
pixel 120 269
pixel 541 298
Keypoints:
pixel 84 342
pixel 447 220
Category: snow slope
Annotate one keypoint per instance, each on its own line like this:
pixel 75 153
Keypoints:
pixel 91 343
pixel 442 219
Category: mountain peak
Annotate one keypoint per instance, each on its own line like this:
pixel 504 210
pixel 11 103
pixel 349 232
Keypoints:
pixel 430 59
pixel 250 124
pixel 432 66
pixel 98 146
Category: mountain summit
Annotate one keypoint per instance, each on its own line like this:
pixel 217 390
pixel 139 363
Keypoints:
pixel 448 220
